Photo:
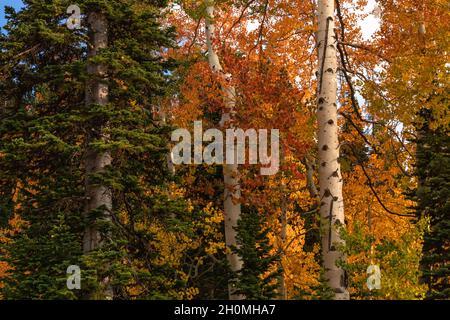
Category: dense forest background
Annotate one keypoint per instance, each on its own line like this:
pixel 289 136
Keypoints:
pixel 359 91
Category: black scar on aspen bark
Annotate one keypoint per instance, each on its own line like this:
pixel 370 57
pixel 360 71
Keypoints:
pixel 321 100
pixel 335 199
pixel 330 121
pixel 324 164
pixel 335 174
pixel 327 193
pixel 330 70
pixel 344 280
pixel 337 222
pixel 325 148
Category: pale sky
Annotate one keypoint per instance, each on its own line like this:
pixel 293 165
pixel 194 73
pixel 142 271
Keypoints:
pixel 368 26
pixel 371 23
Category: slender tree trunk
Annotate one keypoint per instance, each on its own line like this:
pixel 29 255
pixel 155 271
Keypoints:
pixel 95 162
pixel 281 281
pixel 310 178
pixel 421 133
pixel 330 178
pixel 169 157
pixel 282 290
pixel 422 28
pixel 232 193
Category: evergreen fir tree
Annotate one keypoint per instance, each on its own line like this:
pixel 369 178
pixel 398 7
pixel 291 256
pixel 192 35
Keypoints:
pixel 257 279
pixel 46 129
pixel 40 126
pixel 433 202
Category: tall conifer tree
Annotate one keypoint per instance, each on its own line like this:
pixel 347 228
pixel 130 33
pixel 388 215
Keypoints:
pixel 52 126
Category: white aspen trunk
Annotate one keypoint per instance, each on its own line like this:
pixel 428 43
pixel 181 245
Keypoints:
pixel 96 92
pixel 232 193
pixel 330 178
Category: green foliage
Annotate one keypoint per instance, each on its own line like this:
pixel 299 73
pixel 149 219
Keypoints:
pixel 40 256
pixel 46 128
pixel 160 241
pixel 433 202
pixel 398 261
pixel 321 291
pixel 257 279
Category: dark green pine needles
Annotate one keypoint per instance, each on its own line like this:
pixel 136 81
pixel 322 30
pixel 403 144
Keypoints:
pixel 44 127
pixel 433 202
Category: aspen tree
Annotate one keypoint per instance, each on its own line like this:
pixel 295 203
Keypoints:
pixel 232 207
pixel 330 177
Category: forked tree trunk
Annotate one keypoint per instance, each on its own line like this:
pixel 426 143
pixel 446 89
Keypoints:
pixel 97 196
pixel 330 178
pixel 232 193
